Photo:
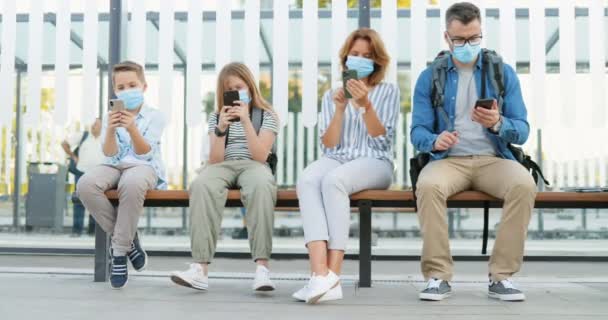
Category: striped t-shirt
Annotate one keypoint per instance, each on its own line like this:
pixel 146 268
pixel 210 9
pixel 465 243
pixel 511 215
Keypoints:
pixel 355 142
pixel 237 148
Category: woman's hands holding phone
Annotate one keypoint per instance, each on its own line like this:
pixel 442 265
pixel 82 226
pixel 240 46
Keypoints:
pixel 359 91
pixel 340 99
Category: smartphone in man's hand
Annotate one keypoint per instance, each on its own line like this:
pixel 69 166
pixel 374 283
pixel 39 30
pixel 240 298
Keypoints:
pixel 485 103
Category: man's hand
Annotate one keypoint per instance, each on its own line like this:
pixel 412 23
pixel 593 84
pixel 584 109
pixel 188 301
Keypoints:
pixel 486 117
pixel 445 141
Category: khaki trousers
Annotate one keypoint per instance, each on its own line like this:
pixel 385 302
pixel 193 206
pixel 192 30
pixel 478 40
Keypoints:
pixel 501 178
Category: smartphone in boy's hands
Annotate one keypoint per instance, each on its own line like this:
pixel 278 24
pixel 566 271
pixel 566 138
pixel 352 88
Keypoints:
pixel 116 105
pixel 347 75
pixel 230 98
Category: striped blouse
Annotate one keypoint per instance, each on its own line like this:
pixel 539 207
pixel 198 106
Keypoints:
pixel 355 142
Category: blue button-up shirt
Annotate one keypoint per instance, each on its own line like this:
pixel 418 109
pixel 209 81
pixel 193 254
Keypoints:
pixel 150 123
pixel 515 128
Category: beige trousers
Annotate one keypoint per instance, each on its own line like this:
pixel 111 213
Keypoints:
pixel 503 179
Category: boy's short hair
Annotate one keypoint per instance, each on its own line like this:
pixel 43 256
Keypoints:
pixel 126 66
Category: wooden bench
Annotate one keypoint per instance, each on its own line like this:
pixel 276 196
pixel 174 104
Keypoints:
pixel 364 201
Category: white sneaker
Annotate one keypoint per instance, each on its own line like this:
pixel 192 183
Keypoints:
pixel 320 285
pixel 262 280
pixel 193 278
pixel 334 293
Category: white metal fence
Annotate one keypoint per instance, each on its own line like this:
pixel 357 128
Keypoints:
pixel 565 100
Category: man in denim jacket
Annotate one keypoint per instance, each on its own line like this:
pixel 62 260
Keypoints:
pixel 468 149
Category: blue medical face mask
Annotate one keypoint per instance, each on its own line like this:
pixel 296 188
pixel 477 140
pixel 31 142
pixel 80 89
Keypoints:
pixel 244 96
pixel 467 53
pixel 363 66
pixel 132 98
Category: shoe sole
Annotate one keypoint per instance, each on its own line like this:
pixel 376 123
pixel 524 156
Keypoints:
pixel 315 299
pixel 433 297
pixel 507 297
pixel 179 281
pixel 265 288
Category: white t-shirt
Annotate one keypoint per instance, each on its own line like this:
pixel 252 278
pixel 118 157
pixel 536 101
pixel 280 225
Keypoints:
pixel 90 153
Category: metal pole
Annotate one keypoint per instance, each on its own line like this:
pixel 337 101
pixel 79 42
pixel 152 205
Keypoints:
pixel 541 186
pixel 117 42
pixel 18 148
pixel 364 14
pixel 185 153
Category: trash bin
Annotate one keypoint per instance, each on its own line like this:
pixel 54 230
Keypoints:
pixel 46 198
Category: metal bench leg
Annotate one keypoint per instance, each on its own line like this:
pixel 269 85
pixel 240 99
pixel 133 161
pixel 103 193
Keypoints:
pixel 365 243
pixel 486 217
pixel 102 255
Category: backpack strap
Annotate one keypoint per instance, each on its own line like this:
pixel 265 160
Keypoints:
pixel 493 70
pixel 257 118
pixel 439 75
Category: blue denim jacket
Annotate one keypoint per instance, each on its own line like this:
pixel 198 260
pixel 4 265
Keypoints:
pixel 150 123
pixel 515 128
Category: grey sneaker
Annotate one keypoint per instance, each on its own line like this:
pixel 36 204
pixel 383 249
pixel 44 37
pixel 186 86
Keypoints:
pixel 436 290
pixel 505 290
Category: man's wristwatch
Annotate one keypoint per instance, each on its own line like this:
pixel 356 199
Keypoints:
pixel 220 133
pixel 496 128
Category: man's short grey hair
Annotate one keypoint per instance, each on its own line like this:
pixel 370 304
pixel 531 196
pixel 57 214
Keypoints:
pixel 464 12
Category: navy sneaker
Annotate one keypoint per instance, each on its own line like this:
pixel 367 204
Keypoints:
pixel 137 255
pixel 119 275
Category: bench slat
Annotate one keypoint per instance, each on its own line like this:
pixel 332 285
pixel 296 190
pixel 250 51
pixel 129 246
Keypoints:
pixel 384 195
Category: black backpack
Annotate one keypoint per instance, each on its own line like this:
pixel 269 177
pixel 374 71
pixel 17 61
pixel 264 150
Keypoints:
pixel 72 165
pixel 492 68
pixel 257 119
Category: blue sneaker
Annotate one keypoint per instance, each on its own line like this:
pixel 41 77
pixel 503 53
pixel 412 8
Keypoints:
pixel 137 255
pixel 119 275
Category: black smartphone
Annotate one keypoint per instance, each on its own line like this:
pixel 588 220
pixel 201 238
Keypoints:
pixel 347 75
pixel 484 103
pixel 230 97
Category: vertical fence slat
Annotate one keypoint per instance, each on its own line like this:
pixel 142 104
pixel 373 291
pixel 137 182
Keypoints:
pixel 567 63
pixel 193 68
pixel 310 66
pixel 34 66
pixel 418 36
pixel 281 156
pixel 223 34
pixel 507 32
pixel 389 35
pixel 137 40
pixel 7 58
pixel 581 173
pixel 280 74
pixel 537 61
pixel 62 63
pixel 401 178
pixel 311 144
pixel 409 147
pixel 602 170
pixel 300 147
pixel 597 62
pixel 443 8
pixel 291 163
pixel 165 58
pixel 252 43
pixel 338 34
pixel 89 58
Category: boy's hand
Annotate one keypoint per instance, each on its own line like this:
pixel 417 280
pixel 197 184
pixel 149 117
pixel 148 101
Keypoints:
pixel 113 120
pixel 127 121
